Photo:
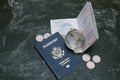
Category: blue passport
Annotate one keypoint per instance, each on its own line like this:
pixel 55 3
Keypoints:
pixel 57 56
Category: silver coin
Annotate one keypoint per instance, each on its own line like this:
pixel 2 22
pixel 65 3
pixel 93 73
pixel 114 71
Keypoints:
pixel 39 38
pixel 86 57
pixel 90 65
pixel 96 58
pixel 46 35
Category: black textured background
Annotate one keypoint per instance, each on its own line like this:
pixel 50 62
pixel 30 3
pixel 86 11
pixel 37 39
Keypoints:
pixel 22 20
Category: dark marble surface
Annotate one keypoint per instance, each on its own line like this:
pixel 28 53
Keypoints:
pixel 22 20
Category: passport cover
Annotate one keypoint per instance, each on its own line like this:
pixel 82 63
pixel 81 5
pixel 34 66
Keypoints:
pixel 57 56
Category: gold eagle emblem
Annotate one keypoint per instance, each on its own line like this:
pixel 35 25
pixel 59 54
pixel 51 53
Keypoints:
pixel 57 53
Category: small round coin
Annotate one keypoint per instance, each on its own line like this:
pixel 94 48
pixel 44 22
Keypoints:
pixel 46 35
pixel 39 38
pixel 90 65
pixel 96 58
pixel 86 57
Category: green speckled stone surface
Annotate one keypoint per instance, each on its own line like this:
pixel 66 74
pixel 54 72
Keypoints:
pixel 22 20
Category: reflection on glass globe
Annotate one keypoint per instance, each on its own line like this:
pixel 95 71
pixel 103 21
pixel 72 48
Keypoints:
pixel 75 40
